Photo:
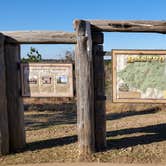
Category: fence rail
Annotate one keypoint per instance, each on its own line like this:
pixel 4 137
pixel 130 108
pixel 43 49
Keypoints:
pixel 46 37
pixel 129 26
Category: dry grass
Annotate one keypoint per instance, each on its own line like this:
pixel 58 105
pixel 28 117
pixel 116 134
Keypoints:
pixel 135 134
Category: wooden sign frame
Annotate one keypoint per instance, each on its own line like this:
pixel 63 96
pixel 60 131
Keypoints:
pixel 128 98
pixel 46 80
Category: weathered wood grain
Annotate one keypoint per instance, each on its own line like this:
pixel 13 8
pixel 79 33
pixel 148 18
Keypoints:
pixel 97 37
pixel 40 37
pixel 99 105
pixel 129 26
pixel 4 134
pixel 45 37
pixel 85 88
pixel 15 104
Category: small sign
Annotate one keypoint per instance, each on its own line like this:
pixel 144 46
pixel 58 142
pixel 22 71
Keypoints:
pixel 47 80
pixel 139 76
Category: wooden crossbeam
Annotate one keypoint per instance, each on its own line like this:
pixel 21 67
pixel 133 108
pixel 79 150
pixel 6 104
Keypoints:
pixel 129 26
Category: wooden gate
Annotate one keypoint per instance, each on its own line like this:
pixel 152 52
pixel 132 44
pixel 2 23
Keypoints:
pixel 88 37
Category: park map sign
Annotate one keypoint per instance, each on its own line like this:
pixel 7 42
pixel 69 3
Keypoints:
pixel 139 76
pixel 47 80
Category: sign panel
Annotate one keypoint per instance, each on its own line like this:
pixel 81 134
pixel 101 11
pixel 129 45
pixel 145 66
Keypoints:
pixel 47 80
pixel 139 76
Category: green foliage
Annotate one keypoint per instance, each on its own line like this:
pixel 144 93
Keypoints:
pixel 33 56
pixel 143 75
pixel 69 55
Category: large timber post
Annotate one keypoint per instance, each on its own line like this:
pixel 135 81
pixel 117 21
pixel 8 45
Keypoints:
pixel 15 107
pixel 4 134
pixel 84 88
pixel 99 93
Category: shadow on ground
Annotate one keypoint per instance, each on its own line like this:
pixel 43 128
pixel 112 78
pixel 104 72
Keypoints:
pixel 119 115
pixel 50 143
pixel 66 114
pixel 63 117
pixel 154 133
pixel 50 107
pixel 53 115
pixel 149 134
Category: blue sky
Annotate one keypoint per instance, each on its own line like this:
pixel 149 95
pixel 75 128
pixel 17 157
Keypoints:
pixel 59 15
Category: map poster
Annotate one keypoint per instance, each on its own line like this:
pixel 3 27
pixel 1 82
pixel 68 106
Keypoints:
pixel 47 80
pixel 139 76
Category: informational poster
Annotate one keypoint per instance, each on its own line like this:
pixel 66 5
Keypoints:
pixel 47 80
pixel 139 76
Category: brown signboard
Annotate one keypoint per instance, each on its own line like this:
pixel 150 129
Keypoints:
pixel 47 80
pixel 139 76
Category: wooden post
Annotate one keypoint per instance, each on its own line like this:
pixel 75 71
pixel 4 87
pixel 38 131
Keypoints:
pixel 85 88
pixel 99 105
pixel 15 105
pixel 4 134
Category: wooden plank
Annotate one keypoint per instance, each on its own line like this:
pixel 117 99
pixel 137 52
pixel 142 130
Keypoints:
pixel 100 112
pixel 129 26
pixel 85 89
pixel 4 134
pixel 15 104
pixel 45 37
pixel 40 37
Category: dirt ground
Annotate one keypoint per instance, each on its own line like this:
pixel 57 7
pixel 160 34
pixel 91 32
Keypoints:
pixel 135 134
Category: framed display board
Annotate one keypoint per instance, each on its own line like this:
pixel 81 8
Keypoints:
pixel 47 80
pixel 139 76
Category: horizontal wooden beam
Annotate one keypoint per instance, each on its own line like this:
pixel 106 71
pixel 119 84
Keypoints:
pixel 46 37
pixel 40 37
pixel 129 26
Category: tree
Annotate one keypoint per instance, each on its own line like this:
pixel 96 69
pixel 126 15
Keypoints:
pixel 69 55
pixel 33 56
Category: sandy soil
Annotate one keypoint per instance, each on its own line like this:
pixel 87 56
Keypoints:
pixel 135 134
